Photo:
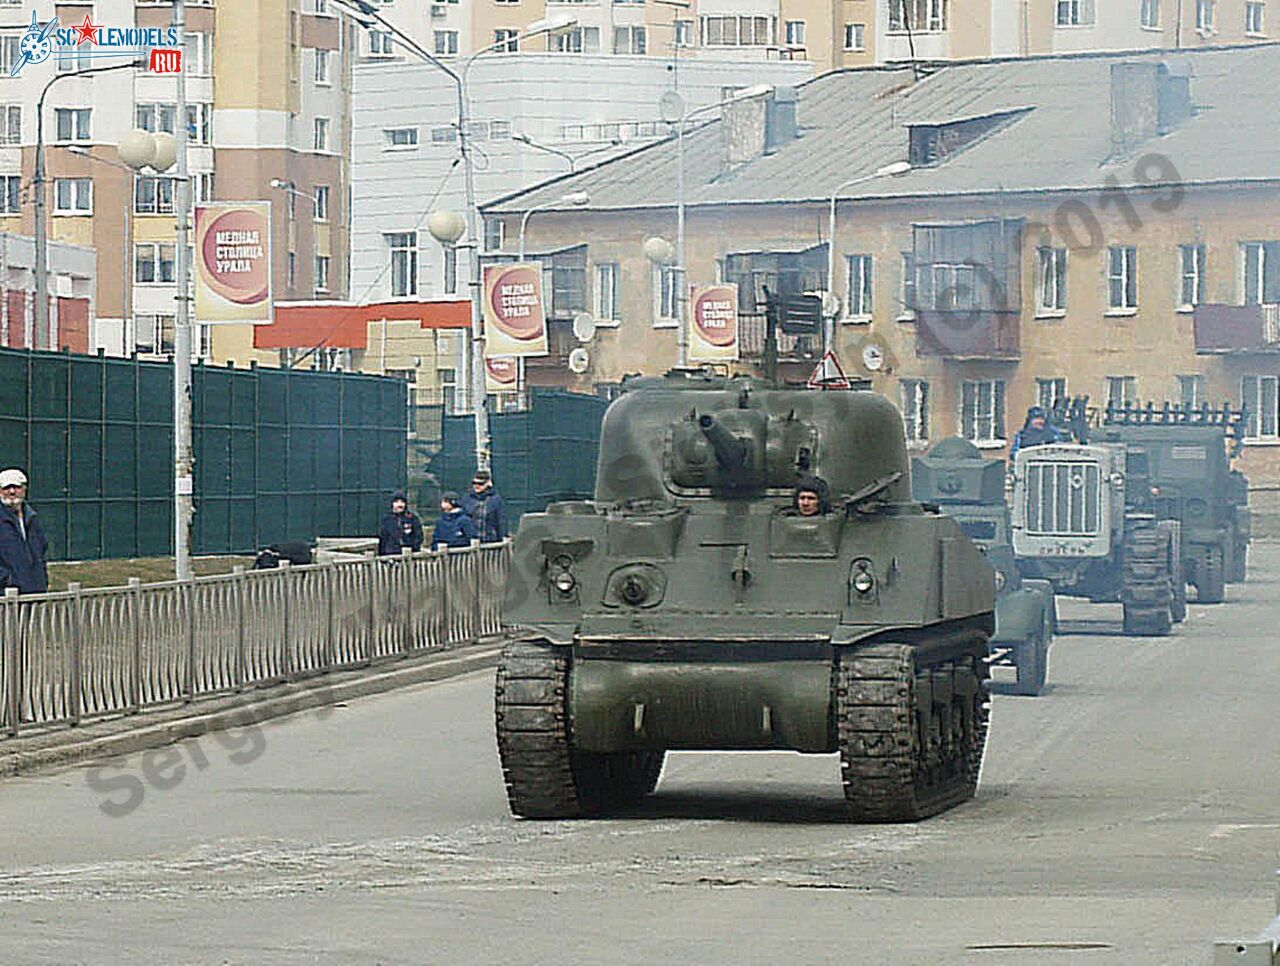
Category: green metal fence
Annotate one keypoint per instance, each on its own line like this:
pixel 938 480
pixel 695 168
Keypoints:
pixel 540 455
pixel 280 454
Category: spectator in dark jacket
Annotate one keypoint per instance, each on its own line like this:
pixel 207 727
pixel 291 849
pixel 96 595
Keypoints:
pixel 400 528
pixel 23 545
pixel 454 528
pixel 485 507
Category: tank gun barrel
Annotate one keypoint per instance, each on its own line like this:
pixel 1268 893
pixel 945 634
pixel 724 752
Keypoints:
pixel 731 452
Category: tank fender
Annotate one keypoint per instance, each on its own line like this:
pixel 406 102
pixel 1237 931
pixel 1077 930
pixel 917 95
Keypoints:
pixel 1022 613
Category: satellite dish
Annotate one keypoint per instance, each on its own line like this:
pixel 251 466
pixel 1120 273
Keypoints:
pixel 579 360
pixel 671 107
pixel 584 327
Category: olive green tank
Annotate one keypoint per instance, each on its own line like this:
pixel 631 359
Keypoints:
pixel 690 605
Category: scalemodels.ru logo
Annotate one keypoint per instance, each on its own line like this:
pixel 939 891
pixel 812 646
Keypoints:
pixel 42 41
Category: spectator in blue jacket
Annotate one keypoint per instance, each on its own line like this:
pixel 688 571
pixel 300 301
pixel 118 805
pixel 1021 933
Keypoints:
pixel 1036 431
pixel 454 528
pixel 485 507
pixel 400 528
pixel 23 545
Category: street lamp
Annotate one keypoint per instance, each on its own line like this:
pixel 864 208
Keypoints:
pixel 575 199
pixel 42 340
pixel 573 159
pixel 364 12
pixel 896 169
pixel 672 107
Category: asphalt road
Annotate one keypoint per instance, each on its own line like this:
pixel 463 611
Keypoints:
pixel 1130 815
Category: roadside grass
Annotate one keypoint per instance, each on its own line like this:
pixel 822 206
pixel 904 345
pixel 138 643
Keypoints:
pixel 116 573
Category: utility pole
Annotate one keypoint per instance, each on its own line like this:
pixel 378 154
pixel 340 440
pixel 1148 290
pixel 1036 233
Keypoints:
pixel 183 488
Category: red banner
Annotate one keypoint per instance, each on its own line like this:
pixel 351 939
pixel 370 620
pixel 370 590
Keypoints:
pixel 713 323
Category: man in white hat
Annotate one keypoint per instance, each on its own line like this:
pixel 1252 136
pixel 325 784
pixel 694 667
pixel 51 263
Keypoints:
pixel 23 545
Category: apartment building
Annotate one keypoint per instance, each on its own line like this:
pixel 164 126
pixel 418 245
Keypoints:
pixel 268 95
pixel 830 33
pixel 1070 225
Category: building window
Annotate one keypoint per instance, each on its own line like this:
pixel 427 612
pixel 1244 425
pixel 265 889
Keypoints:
pixel 907 287
pixel 607 292
pixel 666 295
pixel 72 123
pixel 72 61
pixel 579 40
pixel 402 248
pixel 506 40
pixel 1253 18
pixel 917 15
pixel 156 117
pixel 197 54
pixel 447 380
pixel 1261 276
pixel 982 410
pixel 1191 290
pixel 200 123
pixel 10 124
pixel 322 67
pixel 450 263
pixel 628 40
pixel 446 42
pixel 11 53
pixel 1259 398
pixel 1191 391
pixel 204 186
pixel 152 196
pixel 153 263
pixel 743 31
pixel 855 36
pixel 11 194
pixel 444 135
pixel 857 298
pixel 1051 284
pixel 1075 13
pixel 401 137
pixel 1122 278
pixel 322 273
pixel 320 201
pixel 1121 391
pixel 379 43
pixel 73 196
pixel 915 409
pixel 1050 392
pixel 795 33
pixel 684 33
pixel 1151 14
pixel 493 234
pixel 291 270
pixel 320 142
pixel 153 334
pixel 1205 15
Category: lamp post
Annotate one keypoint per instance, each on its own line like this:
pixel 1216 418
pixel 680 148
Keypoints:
pixel 574 199
pixel 672 107
pixel 896 169
pixel 42 340
pixel 573 159
pixel 364 12
pixel 126 286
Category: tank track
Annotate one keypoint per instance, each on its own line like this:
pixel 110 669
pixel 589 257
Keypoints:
pixel 911 738
pixel 1147 590
pixel 544 775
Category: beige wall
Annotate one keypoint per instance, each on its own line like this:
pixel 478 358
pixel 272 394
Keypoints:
pixel 1155 344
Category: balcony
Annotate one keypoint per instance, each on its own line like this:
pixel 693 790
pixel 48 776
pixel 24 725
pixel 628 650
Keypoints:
pixel 967 334
pixel 791 348
pixel 560 342
pixel 1226 329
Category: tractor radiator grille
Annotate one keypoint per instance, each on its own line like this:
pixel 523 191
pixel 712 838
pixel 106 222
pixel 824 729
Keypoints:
pixel 1062 499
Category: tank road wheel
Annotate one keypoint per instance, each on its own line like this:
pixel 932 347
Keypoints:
pixel 911 738
pixel 1147 590
pixel 1211 584
pixel 1031 658
pixel 545 777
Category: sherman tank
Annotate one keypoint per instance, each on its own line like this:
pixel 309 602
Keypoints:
pixel 690 605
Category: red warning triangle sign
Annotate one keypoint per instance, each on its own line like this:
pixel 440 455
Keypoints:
pixel 829 374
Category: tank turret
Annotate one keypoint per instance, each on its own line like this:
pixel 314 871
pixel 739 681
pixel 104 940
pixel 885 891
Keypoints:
pixel 955 471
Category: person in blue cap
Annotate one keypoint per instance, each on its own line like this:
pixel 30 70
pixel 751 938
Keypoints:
pixel 1036 431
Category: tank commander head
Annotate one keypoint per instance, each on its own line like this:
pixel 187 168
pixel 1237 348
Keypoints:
pixel 811 497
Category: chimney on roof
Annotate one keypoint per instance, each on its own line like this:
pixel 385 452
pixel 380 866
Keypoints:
pixel 1147 100
pixel 755 126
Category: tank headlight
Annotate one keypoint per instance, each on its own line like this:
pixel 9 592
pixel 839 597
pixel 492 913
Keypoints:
pixel 863 582
pixel 564 582
pixel 1000 580
pixel 1155 491
pixel 634 590
pixel 1117 479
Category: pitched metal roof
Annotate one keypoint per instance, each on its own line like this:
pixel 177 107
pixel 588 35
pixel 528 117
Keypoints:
pixel 853 122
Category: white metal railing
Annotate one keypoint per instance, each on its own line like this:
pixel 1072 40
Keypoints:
pixel 78 654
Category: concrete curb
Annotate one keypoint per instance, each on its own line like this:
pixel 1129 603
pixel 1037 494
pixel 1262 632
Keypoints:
pixel 117 737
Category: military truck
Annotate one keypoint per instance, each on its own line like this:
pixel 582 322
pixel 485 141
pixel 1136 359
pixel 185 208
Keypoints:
pixel 1187 466
pixel 691 606
pixel 1083 519
pixel 971 489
